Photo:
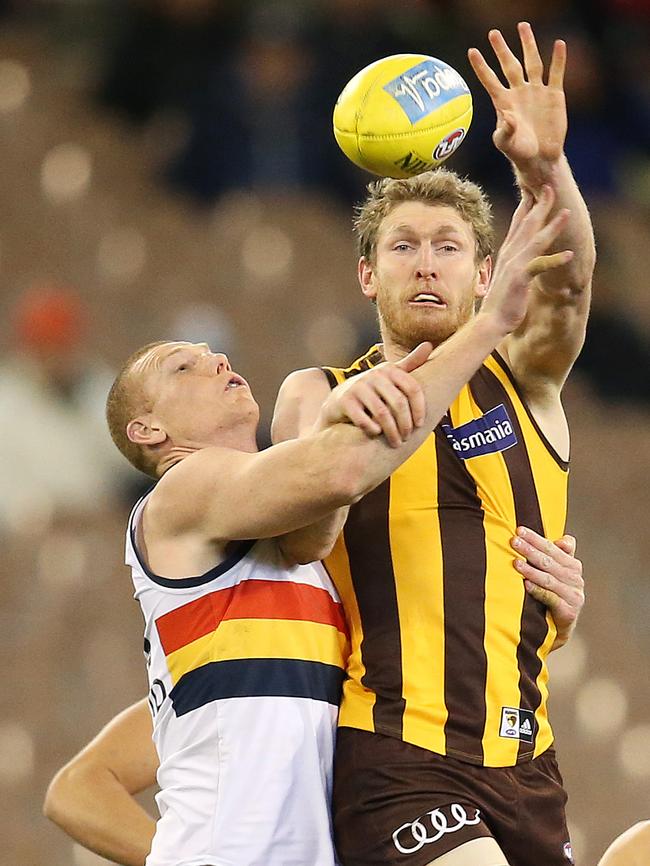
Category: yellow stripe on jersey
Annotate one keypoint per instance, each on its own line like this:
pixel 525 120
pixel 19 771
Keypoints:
pixel 260 638
pixel 417 562
pixel 444 637
pixel 358 713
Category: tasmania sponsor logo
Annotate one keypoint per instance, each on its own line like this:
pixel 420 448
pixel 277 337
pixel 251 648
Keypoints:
pixel 485 435
pixel 425 87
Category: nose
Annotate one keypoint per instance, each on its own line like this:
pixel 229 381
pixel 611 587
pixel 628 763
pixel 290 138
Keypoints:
pixel 426 266
pixel 222 362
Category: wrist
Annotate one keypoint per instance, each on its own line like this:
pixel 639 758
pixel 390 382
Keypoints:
pixel 535 173
pixel 490 328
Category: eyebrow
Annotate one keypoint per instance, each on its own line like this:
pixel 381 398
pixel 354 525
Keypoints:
pixel 445 229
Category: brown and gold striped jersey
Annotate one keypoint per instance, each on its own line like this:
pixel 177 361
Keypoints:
pixel 448 650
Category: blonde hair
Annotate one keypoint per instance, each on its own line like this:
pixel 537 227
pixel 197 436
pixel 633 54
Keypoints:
pixel 438 187
pixel 126 399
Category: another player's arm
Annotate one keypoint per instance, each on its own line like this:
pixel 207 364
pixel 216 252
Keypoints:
pixel 531 129
pixel 302 395
pixel 221 494
pixel 631 848
pixel 92 797
pixel 553 575
pixel 385 400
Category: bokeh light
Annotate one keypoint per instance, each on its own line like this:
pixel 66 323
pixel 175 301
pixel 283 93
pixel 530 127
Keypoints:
pixel 15 85
pixel 66 173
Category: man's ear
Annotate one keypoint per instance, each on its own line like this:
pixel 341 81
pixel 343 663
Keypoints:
pixel 366 274
pixel 483 279
pixel 145 430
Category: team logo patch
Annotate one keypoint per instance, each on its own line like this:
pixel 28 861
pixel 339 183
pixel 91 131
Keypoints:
pixel 433 825
pixel 425 87
pixel 485 435
pixel 517 724
pixel 449 143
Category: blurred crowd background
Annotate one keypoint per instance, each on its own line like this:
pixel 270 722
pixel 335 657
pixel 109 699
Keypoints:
pixel 167 170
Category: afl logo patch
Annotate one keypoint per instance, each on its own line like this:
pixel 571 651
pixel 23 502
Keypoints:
pixel 449 143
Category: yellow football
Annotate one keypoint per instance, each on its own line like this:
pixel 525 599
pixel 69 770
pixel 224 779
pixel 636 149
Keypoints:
pixel 402 115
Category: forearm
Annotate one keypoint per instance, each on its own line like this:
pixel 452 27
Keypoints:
pixel 315 541
pixel 452 364
pixel 240 495
pixel 95 809
pixel 575 277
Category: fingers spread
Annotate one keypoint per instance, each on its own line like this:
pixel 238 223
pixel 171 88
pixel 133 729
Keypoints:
pixel 484 73
pixel 558 65
pixel 510 65
pixel 532 59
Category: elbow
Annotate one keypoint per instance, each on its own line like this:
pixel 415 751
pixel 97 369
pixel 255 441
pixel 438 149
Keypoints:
pixel 62 795
pixel 54 808
pixel 349 483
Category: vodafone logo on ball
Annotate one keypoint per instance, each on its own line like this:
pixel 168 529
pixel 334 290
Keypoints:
pixel 425 87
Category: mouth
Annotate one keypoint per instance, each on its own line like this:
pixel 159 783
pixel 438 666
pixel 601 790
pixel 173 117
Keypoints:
pixel 235 381
pixel 428 299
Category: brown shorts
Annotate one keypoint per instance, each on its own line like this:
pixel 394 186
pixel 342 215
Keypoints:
pixel 395 803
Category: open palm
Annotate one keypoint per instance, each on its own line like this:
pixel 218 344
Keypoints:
pixel 531 115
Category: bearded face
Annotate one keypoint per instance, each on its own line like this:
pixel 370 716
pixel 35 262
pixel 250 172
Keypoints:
pixel 425 278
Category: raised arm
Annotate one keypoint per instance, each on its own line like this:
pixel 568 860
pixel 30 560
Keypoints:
pixel 92 797
pixel 530 132
pixel 228 494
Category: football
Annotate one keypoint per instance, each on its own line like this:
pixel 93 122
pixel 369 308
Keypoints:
pixel 402 115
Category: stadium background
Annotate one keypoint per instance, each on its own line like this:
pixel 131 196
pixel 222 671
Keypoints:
pixel 167 170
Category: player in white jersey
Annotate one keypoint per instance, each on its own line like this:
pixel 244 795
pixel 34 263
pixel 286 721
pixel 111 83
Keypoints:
pixel 178 412
pixel 93 797
pixel 245 667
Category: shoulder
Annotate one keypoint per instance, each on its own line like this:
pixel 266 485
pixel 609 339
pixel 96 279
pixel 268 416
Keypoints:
pixel 298 403
pixel 303 381
pixel 180 499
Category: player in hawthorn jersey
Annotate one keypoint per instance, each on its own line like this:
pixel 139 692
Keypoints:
pixel 245 646
pixel 445 750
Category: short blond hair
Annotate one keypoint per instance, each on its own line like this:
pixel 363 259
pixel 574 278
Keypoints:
pixel 126 400
pixel 437 187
